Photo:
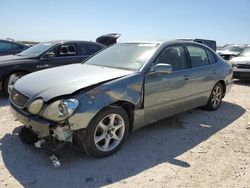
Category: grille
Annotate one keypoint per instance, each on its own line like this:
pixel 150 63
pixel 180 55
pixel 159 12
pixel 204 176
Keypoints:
pixel 18 98
pixel 243 66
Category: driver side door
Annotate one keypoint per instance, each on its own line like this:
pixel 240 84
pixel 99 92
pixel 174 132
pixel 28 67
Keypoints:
pixel 166 94
pixel 63 54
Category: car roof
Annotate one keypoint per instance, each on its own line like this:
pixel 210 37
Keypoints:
pixel 54 42
pixel 176 41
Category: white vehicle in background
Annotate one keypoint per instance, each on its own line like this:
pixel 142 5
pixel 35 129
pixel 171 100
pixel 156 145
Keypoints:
pixel 230 51
pixel 241 64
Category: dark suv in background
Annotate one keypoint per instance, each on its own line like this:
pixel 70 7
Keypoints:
pixel 10 47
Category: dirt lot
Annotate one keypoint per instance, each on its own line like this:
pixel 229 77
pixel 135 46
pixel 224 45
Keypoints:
pixel 193 149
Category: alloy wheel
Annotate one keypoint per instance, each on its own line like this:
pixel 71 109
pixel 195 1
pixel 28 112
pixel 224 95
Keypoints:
pixel 109 132
pixel 216 96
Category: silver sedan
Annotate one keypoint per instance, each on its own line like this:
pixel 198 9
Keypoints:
pixel 98 103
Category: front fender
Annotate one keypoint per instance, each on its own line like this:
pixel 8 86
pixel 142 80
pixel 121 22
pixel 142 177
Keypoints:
pixel 128 88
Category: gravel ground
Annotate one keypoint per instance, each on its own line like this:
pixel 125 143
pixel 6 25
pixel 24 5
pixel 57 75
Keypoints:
pixel 193 149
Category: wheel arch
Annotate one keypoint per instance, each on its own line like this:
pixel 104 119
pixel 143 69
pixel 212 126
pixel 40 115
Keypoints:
pixel 6 76
pixel 222 82
pixel 129 108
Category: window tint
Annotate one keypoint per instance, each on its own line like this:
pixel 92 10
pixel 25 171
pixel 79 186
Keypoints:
pixel 64 50
pixel 211 57
pixel 89 49
pixel 198 56
pixel 174 56
pixel 4 46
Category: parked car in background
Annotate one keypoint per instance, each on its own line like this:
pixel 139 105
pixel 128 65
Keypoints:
pixel 122 88
pixel 241 64
pixel 45 55
pixel 230 51
pixel 8 47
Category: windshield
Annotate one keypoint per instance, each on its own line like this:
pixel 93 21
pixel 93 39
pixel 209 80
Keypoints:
pixel 233 48
pixel 245 52
pixel 130 56
pixel 37 49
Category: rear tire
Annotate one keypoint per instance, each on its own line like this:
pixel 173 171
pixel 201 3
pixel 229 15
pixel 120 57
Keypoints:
pixel 106 132
pixel 215 99
pixel 10 81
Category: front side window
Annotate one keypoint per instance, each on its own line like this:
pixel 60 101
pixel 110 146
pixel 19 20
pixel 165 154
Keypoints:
pixel 174 56
pixel 4 46
pixel 67 50
pixel 198 56
pixel 64 50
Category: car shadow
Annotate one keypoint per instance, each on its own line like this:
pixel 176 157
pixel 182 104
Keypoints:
pixel 3 100
pixel 158 143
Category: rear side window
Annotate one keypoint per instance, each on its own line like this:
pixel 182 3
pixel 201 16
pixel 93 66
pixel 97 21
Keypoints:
pixel 4 46
pixel 89 49
pixel 174 56
pixel 211 57
pixel 198 56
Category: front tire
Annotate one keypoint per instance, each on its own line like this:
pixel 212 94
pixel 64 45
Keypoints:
pixel 215 99
pixel 107 132
pixel 10 81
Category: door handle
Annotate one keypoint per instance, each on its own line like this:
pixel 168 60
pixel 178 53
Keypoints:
pixel 186 77
pixel 42 66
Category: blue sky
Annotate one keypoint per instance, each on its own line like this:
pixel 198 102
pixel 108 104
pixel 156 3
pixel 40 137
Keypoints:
pixel 226 21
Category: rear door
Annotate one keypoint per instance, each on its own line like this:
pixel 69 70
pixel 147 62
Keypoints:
pixel 167 94
pixel 203 72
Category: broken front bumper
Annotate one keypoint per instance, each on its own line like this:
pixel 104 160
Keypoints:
pixel 39 126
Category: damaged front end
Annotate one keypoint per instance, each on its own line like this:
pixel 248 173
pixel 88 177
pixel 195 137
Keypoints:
pixel 63 117
pixel 38 128
pixel 41 119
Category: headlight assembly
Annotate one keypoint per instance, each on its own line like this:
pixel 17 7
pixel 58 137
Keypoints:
pixel 36 106
pixel 60 110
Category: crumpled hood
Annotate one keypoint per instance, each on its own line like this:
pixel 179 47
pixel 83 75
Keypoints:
pixel 240 60
pixel 65 80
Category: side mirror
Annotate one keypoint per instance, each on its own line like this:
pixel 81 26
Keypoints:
pixel 49 55
pixel 162 68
